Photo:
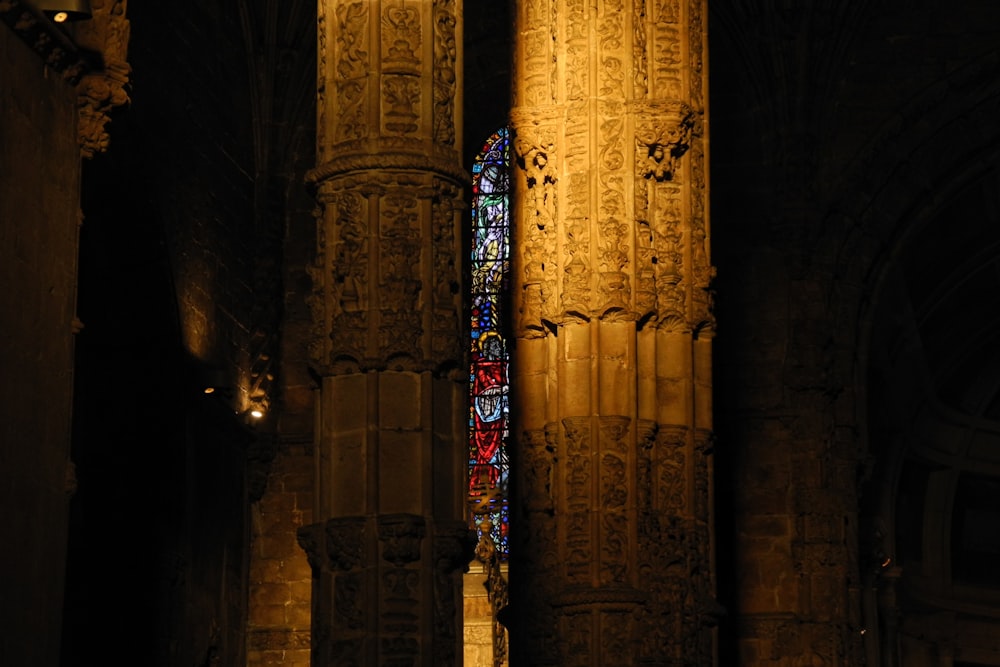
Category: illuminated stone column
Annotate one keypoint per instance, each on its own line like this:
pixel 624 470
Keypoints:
pixel 391 541
pixel 612 546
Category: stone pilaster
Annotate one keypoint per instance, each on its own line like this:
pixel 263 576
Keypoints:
pixel 611 549
pixel 390 537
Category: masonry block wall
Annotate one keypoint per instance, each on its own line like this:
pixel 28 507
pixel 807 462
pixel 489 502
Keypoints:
pixel 824 124
pixel 169 298
pixel 39 222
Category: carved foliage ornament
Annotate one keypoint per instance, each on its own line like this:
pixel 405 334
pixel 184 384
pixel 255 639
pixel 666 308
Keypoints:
pixel 445 77
pixel 662 137
pixel 535 152
pixel 100 81
pixel 100 91
pixel 352 65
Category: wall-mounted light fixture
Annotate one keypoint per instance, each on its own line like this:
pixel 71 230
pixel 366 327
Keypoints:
pixel 63 11
pixel 257 408
pixel 214 380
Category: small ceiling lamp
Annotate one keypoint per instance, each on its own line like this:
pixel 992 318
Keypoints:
pixel 64 11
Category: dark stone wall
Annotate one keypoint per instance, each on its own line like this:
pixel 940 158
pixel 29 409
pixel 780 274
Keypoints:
pixel 170 246
pixel 837 131
pixel 39 218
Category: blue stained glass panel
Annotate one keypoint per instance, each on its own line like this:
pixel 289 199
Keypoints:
pixel 489 430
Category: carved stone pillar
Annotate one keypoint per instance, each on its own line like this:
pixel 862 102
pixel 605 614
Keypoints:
pixel 391 540
pixel 611 540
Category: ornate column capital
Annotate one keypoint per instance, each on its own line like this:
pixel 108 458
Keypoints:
pixel 56 49
pixel 663 134
pixel 107 33
pixel 89 55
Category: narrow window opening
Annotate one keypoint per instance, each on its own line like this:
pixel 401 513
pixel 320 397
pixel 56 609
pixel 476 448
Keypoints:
pixel 489 418
pixel 485 638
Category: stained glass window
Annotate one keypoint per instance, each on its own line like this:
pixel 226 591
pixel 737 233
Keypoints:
pixel 488 410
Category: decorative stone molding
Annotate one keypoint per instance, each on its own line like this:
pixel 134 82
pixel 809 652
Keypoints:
pixel 400 535
pixel 88 54
pixel 453 546
pixel 309 539
pixel 534 146
pixel 662 135
pixel 604 596
pixel 52 44
pixel 107 33
pixel 266 639
pixel 398 161
pixel 345 542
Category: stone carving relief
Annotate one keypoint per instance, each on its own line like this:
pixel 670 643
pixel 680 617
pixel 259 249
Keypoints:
pixel 696 46
pixel 352 67
pixel 614 245
pixel 101 81
pixel 400 38
pixel 100 91
pixel 663 135
pixel 702 269
pixel 401 101
pixel 670 469
pixel 576 286
pixel 536 75
pixel 577 282
pixel 534 536
pixel 452 550
pixel 577 498
pixel 645 273
pixel 704 443
pixel 533 156
pixel 55 49
pixel 446 211
pixel 344 300
pixel 616 631
pixel 668 235
pixel 577 630
pixel 345 543
pixel 614 528
pixel 534 148
pixel 348 601
pixel 666 49
pixel 322 57
pixel 345 540
pixel 349 276
pixel 400 317
pixel 613 225
pixel 400 538
pixel 615 480
pixel 309 539
pixel 645 441
pixel 640 76
pixel 445 77
pixel 536 471
pixel 655 624
pixel 614 285
pixel 610 39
